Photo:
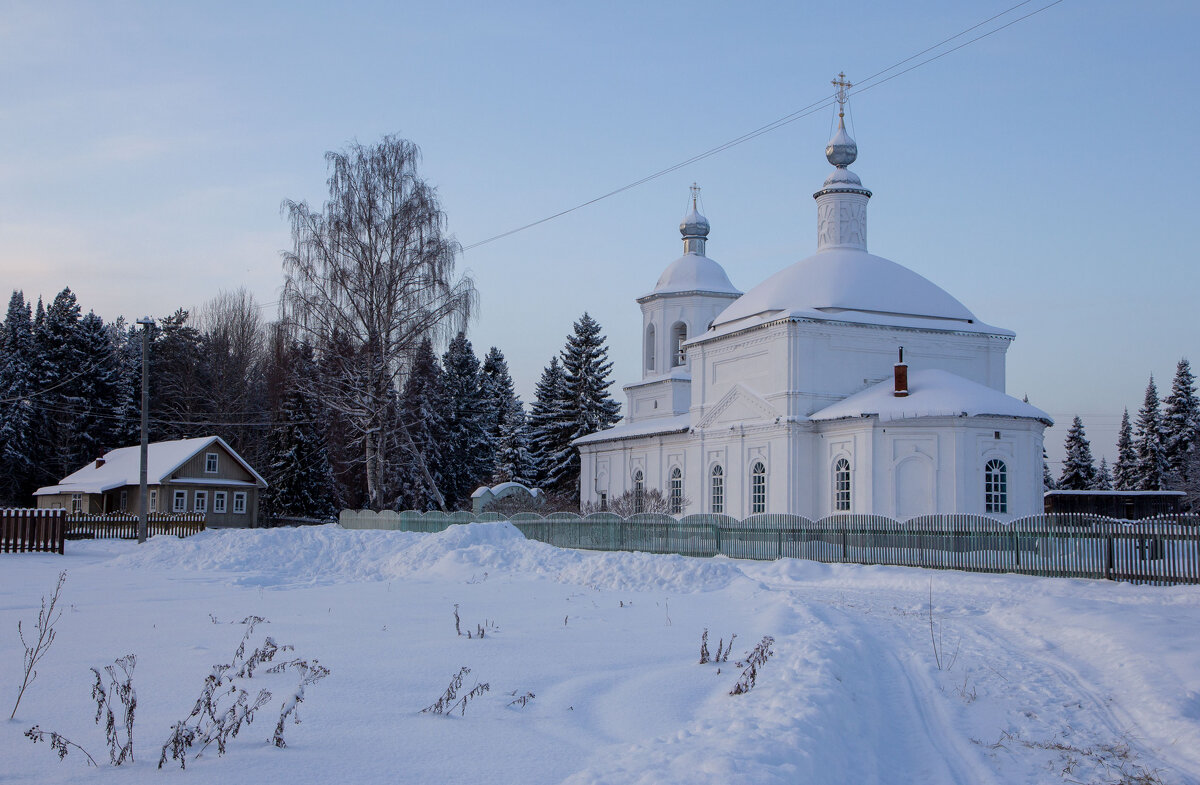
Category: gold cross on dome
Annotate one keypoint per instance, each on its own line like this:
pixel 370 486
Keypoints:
pixel 842 85
pixel 695 194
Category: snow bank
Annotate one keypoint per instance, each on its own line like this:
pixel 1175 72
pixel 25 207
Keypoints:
pixel 321 555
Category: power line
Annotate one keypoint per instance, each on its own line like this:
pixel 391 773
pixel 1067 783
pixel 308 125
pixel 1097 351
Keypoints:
pixel 787 119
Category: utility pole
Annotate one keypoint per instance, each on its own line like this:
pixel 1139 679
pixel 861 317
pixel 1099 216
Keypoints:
pixel 147 324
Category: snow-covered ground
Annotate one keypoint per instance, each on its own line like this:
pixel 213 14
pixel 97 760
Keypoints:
pixel 1042 680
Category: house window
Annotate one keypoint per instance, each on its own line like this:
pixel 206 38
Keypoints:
pixel 995 487
pixel 180 502
pixel 153 501
pixel 841 485
pixel 210 463
pixel 678 336
pixel 650 348
pixel 77 502
pixel 219 501
pixel 676 491
pixel 124 501
pixel 201 503
pixel 239 503
pixel 603 501
pixel 639 492
pixel 758 488
pixel 718 489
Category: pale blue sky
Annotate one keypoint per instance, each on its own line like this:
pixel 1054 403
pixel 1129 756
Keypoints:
pixel 1044 175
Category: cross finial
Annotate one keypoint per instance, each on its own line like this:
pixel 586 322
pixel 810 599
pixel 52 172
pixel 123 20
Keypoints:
pixel 842 85
pixel 695 194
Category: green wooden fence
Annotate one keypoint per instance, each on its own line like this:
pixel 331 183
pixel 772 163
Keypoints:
pixel 1163 550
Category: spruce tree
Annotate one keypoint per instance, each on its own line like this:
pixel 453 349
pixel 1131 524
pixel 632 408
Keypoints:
pixel 1048 483
pixel 1125 469
pixel 298 470
pixel 18 407
pixel 64 368
pixel 1079 468
pixel 1152 468
pixel 420 432
pixel 466 453
pixel 586 376
pixel 507 431
pixel 1104 479
pixel 1181 423
pixel 94 430
pixel 550 424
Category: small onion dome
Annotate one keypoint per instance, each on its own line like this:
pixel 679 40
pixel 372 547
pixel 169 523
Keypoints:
pixel 694 224
pixel 841 150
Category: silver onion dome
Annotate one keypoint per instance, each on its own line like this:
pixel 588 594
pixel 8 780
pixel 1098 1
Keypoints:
pixel 841 150
pixel 694 224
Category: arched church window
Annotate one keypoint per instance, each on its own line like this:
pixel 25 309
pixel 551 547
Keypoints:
pixel 995 486
pixel 676 491
pixel 650 348
pixel 758 488
pixel 718 490
pixel 841 485
pixel 678 336
pixel 639 492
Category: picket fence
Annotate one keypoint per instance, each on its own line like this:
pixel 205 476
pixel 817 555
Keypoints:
pixel 1161 551
pixel 26 530
pixel 125 527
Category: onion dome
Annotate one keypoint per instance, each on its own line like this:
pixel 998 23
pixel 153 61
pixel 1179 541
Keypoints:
pixel 841 150
pixel 694 225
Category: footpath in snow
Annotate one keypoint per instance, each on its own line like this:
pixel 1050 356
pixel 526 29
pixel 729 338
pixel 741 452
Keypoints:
pixel 878 674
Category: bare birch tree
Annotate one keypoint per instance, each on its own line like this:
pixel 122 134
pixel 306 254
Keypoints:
pixel 372 272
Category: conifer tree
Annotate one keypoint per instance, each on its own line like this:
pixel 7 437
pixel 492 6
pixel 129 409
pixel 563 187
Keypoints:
pixel 586 377
pixel 1104 480
pixel 94 429
pixel 550 424
pixel 1048 483
pixel 1181 423
pixel 62 373
pixel 1125 469
pixel 466 454
pixel 299 472
pixel 18 408
pixel 1079 468
pixel 1152 466
pixel 507 431
pixel 420 433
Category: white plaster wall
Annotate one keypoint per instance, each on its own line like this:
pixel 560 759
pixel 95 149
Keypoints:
pixel 663 311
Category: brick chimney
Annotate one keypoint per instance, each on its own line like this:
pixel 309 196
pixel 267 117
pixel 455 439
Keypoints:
pixel 99 462
pixel 901 374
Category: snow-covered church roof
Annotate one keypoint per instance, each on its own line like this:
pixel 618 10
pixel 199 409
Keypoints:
pixel 932 392
pixel 693 272
pixel 841 281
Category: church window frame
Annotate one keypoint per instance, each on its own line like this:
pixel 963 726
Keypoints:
pixel 841 485
pixel 676 487
pixel 758 488
pixel 639 492
pixel 717 489
pixel 678 338
pixel 650 347
pixel 995 487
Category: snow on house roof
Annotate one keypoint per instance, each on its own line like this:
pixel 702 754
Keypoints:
pixel 694 273
pixel 932 392
pixel 676 424
pixel 850 285
pixel 122 467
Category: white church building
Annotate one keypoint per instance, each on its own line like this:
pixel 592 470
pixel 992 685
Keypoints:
pixel 844 383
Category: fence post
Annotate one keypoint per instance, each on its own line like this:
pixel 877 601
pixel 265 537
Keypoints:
pixel 1108 557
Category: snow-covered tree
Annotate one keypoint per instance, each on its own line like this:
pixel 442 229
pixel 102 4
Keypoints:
pixel 1079 468
pixel 18 409
pixel 587 377
pixel 1125 469
pixel 1181 423
pixel 94 429
pixel 298 469
pixel 420 433
pixel 61 375
pixel 1152 467
pixel 1048 483
pixel 466 449
pixel 1104 480
pixel 507 431
pixel 550 423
